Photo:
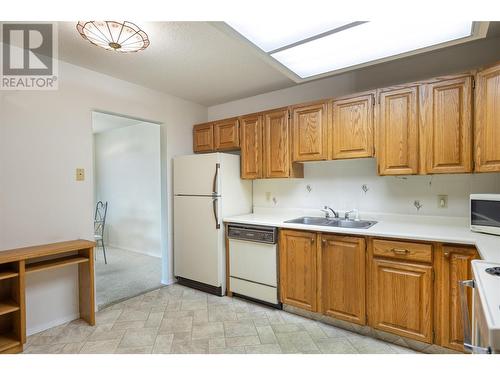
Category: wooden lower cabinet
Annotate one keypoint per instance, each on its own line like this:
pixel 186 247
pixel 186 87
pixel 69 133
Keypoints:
pixel 336 276
pixel 401 298
pixel 298 277
pixel 342 274
pixel 452 266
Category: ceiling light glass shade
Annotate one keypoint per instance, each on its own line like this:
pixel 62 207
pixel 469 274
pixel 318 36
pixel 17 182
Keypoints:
pixel 270 35
pixel 367 42
pixel 120 36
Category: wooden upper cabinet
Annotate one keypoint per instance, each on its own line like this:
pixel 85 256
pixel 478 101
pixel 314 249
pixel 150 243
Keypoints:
pixel 342 264
pixel 298 262
pixel 276 146
pixel 251 147
pixel 310 132
pixel 446 126
pixel 352 127
pixel 487 120
pixel 453 264
pixel 227 135
pixel 397 127
pixel 401 295
pixel 203 138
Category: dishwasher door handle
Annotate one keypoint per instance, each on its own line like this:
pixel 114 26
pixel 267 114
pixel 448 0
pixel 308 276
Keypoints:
pixel 466 320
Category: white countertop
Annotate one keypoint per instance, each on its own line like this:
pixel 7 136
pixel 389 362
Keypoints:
pixel 412 227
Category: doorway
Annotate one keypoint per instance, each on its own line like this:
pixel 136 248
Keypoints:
pixel 127 207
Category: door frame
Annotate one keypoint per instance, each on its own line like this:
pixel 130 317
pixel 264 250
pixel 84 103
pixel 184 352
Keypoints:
pixel 163 188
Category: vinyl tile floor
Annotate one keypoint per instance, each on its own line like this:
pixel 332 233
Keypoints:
pixel 176 319
pixel 126 275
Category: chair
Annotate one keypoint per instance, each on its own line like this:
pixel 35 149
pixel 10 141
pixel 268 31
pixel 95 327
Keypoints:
pixel 101 210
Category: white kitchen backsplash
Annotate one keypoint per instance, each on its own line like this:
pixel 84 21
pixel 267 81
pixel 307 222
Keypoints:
pixel 341 184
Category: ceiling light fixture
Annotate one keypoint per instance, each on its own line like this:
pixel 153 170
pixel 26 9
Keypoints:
pixel 269 36
pixel 370 41
pixel 119 36
pixel 319 49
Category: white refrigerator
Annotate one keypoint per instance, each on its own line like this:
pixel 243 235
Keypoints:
pixel 207 188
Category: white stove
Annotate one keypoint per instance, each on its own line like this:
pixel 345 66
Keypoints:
pixel 484 338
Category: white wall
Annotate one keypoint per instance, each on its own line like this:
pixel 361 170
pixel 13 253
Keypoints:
pixel 338 184
pixel 127 173
pixel 44 136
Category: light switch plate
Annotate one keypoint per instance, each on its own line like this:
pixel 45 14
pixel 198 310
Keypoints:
pixel 80 174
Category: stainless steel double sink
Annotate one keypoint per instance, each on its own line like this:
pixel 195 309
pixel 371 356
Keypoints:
pixel 333 222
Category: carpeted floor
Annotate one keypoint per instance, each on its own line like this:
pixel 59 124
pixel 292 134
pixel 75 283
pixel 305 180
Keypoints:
pixel 126 275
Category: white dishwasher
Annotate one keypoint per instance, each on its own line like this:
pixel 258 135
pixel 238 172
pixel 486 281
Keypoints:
pixel 253 263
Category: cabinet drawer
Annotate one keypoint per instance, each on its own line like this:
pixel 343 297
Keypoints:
pixel 419 252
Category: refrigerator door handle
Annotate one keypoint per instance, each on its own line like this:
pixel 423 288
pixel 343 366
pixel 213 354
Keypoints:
pixel 215 183
pixel 216 214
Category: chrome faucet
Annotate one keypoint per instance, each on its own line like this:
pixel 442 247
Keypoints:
pixel 327 210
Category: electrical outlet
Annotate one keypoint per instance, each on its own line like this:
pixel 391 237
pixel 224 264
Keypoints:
pixel 80 174
pixel 442 201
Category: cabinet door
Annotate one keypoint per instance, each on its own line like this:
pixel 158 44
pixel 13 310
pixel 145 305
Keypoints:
pixel 342 276
pixel 310 132
pixel 276 144
pixel 251 147
pixel 487 120
pixel 353 127
pixel 203 138
pixel 227 135
pixel 446 124
pixel 397 127
pixel 401 298
pixel 453 264
pixel 298 253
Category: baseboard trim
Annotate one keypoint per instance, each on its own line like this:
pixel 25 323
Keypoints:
pixel 54 323
pixel 168 282
pixel 135 251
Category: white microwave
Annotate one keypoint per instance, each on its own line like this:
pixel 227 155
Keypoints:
pixel 485 213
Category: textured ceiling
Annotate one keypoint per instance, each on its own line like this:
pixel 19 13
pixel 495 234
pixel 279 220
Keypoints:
pixel 191 60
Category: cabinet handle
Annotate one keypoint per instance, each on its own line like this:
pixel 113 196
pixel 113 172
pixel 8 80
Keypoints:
pixel 400 251
pixel 447 254
pixel 323 242
pixel 312 240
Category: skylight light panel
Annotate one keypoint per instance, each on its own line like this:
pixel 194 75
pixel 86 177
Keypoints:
pixel 270 35
pixel 365 43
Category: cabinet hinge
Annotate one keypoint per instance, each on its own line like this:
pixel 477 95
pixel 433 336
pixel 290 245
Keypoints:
pixel 433 275
pixel 289 115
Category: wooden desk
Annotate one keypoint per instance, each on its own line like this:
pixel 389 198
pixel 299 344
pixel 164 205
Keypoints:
pixel 16 263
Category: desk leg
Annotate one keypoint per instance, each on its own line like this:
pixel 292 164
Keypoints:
pixel 86 286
